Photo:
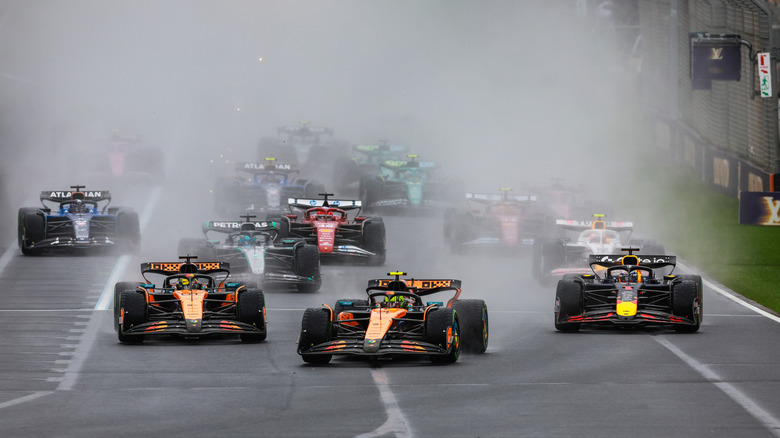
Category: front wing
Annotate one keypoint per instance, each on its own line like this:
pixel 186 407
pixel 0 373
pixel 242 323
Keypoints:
pixel 641 319
pixel 179 327
pixel 357 347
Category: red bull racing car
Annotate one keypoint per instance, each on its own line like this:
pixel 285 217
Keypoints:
pixel 190 300
pixel 395 321
pixel 325 223
pixel 629 291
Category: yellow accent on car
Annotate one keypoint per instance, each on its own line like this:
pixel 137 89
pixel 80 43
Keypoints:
pixel 626 308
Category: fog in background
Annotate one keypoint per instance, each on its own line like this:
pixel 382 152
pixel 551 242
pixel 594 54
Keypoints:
pixel 498 92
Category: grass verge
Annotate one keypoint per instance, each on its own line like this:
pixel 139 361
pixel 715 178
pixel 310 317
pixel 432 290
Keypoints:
pixel 702 226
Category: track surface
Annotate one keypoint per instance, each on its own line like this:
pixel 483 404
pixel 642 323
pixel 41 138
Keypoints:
pixel 63 373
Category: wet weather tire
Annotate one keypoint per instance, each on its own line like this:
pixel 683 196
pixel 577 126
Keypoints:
pixel 307 264
pixel 133 304
pixel 568 302
pixel 374 240
pixel 251 310
pixel 474 330
pixel 315 330
pixel 687 302
pixel 438 323
pixel 31 229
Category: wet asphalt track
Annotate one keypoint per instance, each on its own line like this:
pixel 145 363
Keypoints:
pixel 63 373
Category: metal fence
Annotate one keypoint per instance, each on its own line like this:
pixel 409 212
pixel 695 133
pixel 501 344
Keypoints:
pixel 727 133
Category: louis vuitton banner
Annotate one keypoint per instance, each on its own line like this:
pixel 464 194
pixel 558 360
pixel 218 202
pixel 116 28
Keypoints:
pixel 759 208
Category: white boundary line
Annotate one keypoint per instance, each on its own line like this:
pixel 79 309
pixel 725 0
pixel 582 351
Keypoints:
pixel 733 297
pixel 107 297
pixel 24 399
pixel 8 255
pixel 752 408
pixel 396 422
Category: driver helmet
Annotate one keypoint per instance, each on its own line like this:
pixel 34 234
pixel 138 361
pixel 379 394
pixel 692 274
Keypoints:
pixel 246 240
pixel 184 283
pixel 399 301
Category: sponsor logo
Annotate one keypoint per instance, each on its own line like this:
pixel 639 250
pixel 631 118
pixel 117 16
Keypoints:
pixel 70 194
pixel 774 210
pixel 236 224
pixel 716 54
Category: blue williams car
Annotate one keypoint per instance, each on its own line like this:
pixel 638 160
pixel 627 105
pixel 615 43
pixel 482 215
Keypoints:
pixel 81 219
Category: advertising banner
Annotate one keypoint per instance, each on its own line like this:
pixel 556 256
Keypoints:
pixel 716 62
pixel 759 208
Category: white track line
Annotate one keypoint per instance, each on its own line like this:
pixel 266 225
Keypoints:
pixel 734 297
pixel 760 414
pixel 107 297
pixel 396 422
pixel 8 255
pixel 24 399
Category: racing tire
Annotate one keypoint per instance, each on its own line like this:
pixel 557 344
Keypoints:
pixel 553 255
pixel 474 330
pixel 128 228
pixel 251 310
pixel 133 306
pixel 31 229
pixel 307 264
pixel 315 330
pixel 687 302
pixel 568 302
pixel 375 240
pixel 338 308
pixel 284 228
pixel 371 190
pixel 438 323
pixel 118 288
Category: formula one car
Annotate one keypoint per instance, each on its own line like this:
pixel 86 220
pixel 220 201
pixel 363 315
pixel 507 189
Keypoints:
pixel 254 251
pixel 325 223
pixel 629 292
pixel 192 299
pixel 365 163
pixel 305 145
pixel 494 220
pixel 261 188
pixel 566 200
pixel 78 222
pixel 578 239
pixel 408 185
pixel 124 157
pixel 395 321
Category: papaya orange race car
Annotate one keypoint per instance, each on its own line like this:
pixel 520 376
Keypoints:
pixel 395 320
pixel 193 300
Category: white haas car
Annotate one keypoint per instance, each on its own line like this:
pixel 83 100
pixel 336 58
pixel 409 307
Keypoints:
pixel 578 239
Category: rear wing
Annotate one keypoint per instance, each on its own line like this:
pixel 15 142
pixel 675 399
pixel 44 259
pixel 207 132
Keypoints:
pixel 570 224
pixel 237 226
pixel 403 164
pixel 648 261
pixel 344 204
pixel 71 195
pixel 374 148
pixel 418 287
pixel 498 197
pixel 303 129
pixel 263 167
pixel 172 268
